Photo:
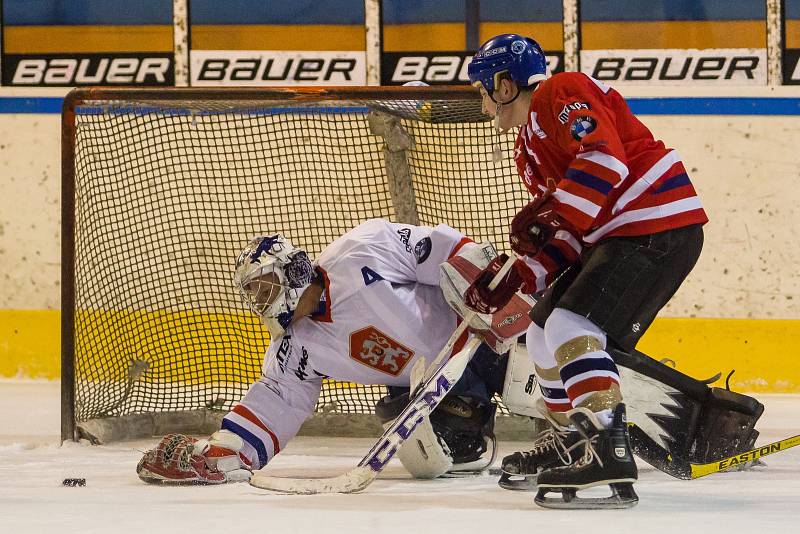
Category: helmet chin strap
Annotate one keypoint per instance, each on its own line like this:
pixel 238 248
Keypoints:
pixel 497 151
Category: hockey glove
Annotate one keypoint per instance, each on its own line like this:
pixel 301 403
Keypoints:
pixel 484 300
pixel 534 226
pixel 180 459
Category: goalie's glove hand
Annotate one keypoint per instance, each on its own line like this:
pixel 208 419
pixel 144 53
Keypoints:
pixel 481 299
pixel 536 224
pixel 180 459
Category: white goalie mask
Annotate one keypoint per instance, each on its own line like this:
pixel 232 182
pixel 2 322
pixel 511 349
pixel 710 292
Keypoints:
pixel 270 276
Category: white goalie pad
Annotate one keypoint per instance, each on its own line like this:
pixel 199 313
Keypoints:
pixel 520 389
pixel 500 329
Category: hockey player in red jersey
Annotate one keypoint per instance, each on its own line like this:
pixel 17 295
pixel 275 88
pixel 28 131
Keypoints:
pixel 613 229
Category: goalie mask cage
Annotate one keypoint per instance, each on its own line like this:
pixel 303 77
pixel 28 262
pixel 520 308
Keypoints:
pixel 161 189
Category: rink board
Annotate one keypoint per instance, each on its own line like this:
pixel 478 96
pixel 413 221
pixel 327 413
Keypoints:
pixel 762 352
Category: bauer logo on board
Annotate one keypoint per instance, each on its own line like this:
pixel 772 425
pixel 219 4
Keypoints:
pixel 88 69
pixel 265 68
pixel 713 66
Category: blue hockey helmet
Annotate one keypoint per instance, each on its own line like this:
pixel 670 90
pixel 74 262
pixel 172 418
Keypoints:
pixel 521 57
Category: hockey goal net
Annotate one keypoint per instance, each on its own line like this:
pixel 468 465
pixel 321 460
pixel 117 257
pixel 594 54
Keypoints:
pixel 162 188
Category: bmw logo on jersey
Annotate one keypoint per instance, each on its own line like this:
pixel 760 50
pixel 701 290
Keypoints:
pixel 581 127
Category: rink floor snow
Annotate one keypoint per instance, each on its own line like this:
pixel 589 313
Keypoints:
pixel 33 464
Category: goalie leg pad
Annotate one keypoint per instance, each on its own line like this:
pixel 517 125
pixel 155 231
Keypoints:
pixel 676 414
pixel 726 425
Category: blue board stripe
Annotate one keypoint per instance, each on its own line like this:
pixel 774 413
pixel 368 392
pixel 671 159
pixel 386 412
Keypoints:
pixel 23 104
pixel 78 12
pixel 640 106
pixel 715 106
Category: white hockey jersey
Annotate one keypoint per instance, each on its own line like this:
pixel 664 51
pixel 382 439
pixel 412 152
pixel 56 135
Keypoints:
pixel 382 309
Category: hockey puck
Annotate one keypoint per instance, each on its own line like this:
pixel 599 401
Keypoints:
pixel 73 482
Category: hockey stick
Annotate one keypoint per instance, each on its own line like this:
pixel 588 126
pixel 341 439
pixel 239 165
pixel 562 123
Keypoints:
pixel 685 470
pixel 701 470
pixel 422 403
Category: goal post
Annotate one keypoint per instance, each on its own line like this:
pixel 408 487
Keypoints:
pixel 161 188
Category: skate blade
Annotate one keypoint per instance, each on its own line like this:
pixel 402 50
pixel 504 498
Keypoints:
pixel 622 496
pixel 462 474
pixel 517 482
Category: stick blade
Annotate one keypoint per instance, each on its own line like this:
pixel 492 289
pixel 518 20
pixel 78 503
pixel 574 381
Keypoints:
pixel 353 481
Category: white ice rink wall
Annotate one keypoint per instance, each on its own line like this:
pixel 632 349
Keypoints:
pixel 740 308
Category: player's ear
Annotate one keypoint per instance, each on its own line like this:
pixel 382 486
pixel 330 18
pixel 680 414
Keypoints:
pixel 507 88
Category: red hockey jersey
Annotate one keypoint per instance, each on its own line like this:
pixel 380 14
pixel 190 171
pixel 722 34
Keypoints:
pixel 613 178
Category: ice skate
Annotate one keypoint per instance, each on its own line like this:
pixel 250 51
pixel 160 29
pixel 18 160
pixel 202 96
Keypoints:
pixel 607 459
pixel 553 447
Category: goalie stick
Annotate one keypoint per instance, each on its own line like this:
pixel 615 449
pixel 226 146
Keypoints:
pixel 423 402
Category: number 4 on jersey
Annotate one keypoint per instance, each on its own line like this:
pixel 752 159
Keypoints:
pixel 370 276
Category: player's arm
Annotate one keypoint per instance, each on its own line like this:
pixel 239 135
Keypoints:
pixel 401 253
pixel 251 434
pixel 546 244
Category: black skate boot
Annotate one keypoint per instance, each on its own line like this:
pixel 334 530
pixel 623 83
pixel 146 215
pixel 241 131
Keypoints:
pixel 607 459
pixel 553 447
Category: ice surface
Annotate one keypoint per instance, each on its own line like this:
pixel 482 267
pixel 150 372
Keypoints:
pixel 32 499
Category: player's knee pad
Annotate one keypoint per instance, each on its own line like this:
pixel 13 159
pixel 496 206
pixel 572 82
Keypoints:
pixel 537 347
pixel 569 335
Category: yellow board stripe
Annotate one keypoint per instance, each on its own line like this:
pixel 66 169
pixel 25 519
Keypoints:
pixel 793 34
pixel 86 39
pixel 763 352
pixel 397 37
pixel 319 37
pixel 30 343
pixel 674 34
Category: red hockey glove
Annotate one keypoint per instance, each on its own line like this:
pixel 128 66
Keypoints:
pixel 481 299
pixel 536 224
